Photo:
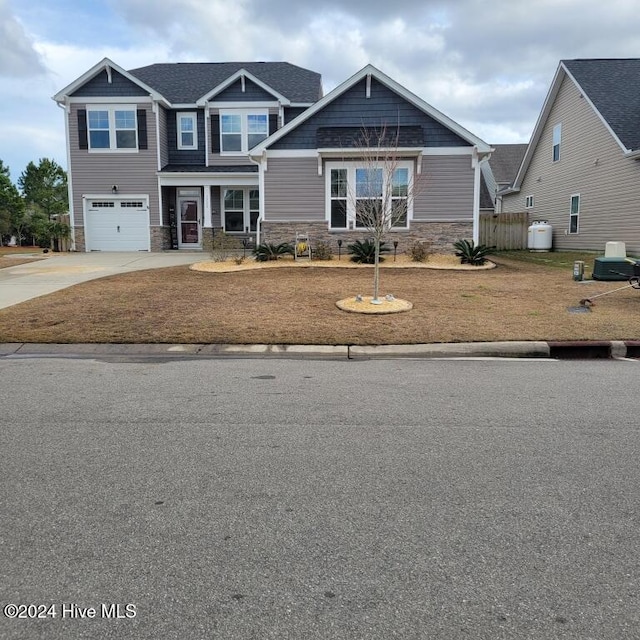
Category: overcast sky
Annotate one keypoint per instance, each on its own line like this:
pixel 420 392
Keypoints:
pixel 485 63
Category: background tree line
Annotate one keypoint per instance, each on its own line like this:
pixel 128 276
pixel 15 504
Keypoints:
pixel 31 212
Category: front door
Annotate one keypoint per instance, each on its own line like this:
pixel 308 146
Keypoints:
pixel 189 223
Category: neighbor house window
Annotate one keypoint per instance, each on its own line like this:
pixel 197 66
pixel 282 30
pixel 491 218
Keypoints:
pixel 557 139
pixel 112 128
pixel 187 125
pixel 356 193
pixel 574 214
pixel 528 202
pixel 241 130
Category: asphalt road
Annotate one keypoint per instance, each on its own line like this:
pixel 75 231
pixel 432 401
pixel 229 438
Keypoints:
pixel 239 499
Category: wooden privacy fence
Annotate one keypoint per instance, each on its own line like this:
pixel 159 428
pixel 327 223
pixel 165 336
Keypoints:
pixel 504 231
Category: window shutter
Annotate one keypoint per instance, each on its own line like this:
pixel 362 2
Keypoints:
pixel 142 129
pixel 83 140
pixel 273 123
pixel 215 134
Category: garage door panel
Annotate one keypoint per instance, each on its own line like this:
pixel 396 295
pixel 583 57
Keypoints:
pixel 117 224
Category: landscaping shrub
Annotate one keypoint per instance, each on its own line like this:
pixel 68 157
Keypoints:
pixel 364 252
pixel 471 253
pixel 419 251
pixel 322 251
pixel 267 251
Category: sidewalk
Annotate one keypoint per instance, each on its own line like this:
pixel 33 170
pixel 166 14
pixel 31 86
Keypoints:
pixel 560 350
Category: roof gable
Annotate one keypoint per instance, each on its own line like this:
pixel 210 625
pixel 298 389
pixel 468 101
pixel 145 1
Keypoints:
pixel 189 82
pixel 613 87
pixel 110 69
pixel 610 87
pixel 361 113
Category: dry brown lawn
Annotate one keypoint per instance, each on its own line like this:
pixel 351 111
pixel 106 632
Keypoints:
pixel 13 256
pixel 515 301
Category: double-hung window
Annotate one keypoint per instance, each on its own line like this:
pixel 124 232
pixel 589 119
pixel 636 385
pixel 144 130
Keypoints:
pixel 242 129
pixel 574 213
pixel 187 126
pixel 557 139
pixel 112 128
pixel 362 197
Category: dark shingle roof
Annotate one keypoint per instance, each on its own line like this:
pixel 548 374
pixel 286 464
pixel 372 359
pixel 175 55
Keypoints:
pixel 186 82
pixel 613 86
pixel 505 161
pixel 335 137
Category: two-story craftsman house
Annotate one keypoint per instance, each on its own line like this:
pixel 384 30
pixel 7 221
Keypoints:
pixel 167 155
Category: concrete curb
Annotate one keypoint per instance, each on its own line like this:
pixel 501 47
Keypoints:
pixel 454 350
pixel 521 349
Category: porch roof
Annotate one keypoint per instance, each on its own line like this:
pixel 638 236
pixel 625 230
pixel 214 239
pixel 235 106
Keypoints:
pixel 196 168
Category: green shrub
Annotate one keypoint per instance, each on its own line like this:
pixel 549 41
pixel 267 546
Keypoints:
pixel 471 253
pixel 267 251
pixel 364 252
pixel 419 251
pixel 322 251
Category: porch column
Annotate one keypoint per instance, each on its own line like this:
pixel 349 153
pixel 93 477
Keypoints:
pixel 207 207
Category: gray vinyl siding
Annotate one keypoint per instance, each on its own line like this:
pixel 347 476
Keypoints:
pixel 294 191
pixel 444 189
pixel 216 207
pixel 96 173
pixel 591 164
pixel 99 87
pixel 252 93
pixel 163 141
pixel 185 156
pixel 354 109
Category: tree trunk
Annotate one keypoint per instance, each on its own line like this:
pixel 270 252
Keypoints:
pixel 376 272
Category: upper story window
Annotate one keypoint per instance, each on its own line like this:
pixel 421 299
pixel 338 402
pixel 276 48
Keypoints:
pixel 528 202
pixel 557 139
pixel 242 129
pixel 187 128
pixel 112 128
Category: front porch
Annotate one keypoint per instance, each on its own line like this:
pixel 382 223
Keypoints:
pixel 199 205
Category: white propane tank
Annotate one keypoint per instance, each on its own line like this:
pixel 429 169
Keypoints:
pixel 539 236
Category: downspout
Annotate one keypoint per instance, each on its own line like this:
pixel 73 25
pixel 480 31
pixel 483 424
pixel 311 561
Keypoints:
pixel 72 218
pixel 475 164
pixel 262 167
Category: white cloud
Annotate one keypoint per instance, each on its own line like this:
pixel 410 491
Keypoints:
pixel 18 57
pixel 485 64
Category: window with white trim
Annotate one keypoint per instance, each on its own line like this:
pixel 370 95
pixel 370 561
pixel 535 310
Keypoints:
pixel 242 129
pixel 528 202
pixel 187 128
pixel 557 139
pixel 112 128
pixel 574 213
pixel 355 191
pixel 241 207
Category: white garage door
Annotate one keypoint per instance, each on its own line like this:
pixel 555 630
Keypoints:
pixel 117 224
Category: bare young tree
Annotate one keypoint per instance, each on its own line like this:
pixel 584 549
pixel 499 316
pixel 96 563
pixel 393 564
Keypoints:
pixel 383 188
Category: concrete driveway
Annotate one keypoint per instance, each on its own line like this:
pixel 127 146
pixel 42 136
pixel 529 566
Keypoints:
pixel 62 270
